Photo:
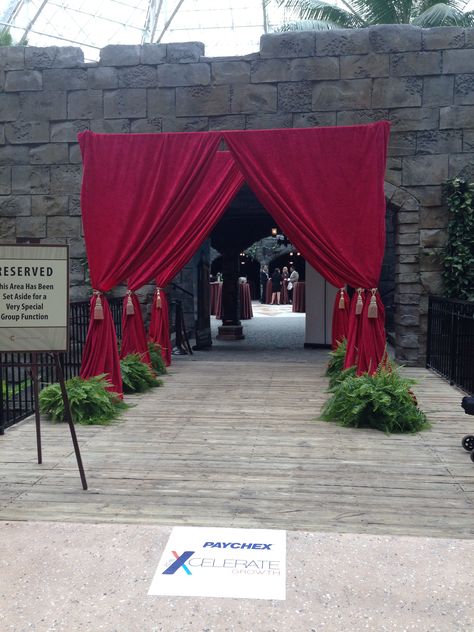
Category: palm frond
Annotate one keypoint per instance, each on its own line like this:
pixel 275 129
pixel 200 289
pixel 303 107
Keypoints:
pixel 442 14
pixel 384 11
pixel 423 5
pixel 306 25
pixel 316 10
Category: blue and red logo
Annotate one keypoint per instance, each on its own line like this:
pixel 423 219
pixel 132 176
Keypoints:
pixel 179 563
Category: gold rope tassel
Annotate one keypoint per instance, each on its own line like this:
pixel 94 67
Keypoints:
pixel 98 309
pixel 158 298
pixel 373 312
pixel 359 302
pixel 342 302
pixel 130 309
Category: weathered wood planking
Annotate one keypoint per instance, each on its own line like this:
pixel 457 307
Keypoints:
pixel 238 443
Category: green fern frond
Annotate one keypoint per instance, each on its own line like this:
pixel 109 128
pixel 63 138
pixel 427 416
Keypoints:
pixel 90 400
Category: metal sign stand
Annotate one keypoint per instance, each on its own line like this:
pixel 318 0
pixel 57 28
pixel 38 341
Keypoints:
pixel 20 263
pixel 33 366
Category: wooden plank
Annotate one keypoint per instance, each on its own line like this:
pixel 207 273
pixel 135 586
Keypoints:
pixel 249 453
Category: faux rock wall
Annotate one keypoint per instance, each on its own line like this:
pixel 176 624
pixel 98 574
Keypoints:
pixel 422 81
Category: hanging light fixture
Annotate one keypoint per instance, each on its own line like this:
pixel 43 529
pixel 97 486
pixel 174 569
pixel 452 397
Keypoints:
pixel 274 231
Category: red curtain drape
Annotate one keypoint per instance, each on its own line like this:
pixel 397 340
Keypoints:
pixel 134 187
pixel 133 331
pixel 179 242
pixel 159 330
pixel 354 328
pixel 372 333
pixel 100 353
pixel 340 317
pixel 325 189
pixel 141 200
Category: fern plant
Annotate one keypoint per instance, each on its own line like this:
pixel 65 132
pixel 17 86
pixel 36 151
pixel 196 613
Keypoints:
pixel 137 377
pixel 157 362
pixel 382 401
pixel 336 361
pixel 90 400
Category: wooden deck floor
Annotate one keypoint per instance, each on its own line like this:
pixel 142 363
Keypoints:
pixel 236 444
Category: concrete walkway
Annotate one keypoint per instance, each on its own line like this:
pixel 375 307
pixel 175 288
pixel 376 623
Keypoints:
pixel 70 577
pixel 380 529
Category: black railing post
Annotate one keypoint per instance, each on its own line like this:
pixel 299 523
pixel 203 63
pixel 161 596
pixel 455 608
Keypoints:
pixel 450 341
pixel 428 339
pixel 453 344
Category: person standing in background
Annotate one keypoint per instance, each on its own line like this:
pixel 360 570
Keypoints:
pixel 294 276
pixel 263 283
pixel 276 286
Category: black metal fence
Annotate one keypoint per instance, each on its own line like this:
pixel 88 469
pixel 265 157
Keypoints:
pixel 450 344
pixel 16 392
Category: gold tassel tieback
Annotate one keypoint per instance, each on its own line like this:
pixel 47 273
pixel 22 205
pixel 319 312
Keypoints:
pixel 359 302
pixel 342 302
pixel 98 309
pixel 158 298
pixel 373 311
pixel 130 309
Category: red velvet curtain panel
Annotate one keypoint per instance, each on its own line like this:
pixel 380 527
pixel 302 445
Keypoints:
pixel 177 241
pixel 354 328
pixel 133 331
pixel 159 330
pixel 372 339
pixel 100 353
pixel 176 245
pixel 325 189
pixel 134 188
pixel 340 317
pixel 144 210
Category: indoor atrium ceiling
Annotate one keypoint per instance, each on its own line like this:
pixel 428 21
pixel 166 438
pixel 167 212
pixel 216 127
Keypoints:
pixel 226 27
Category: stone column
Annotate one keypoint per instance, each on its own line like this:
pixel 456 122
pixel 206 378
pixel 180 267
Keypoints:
pixel 231 328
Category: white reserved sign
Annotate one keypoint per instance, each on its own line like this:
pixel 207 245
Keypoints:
pixel 34 289
pixel 213 562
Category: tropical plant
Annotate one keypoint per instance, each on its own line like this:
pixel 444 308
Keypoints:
pixel 382 401
pixel 6 38
pixel 458 260
pixel 137 377
pixel 318 15
pixel 336 361
pixel 90 400
pixel 157 362
pixel 11 391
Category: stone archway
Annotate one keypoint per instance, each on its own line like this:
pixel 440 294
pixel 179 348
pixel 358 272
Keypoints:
pixel 410 298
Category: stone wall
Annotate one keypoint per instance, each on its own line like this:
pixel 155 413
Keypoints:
pixel 422 81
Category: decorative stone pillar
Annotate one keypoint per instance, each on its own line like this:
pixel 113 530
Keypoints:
pixel 231 328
